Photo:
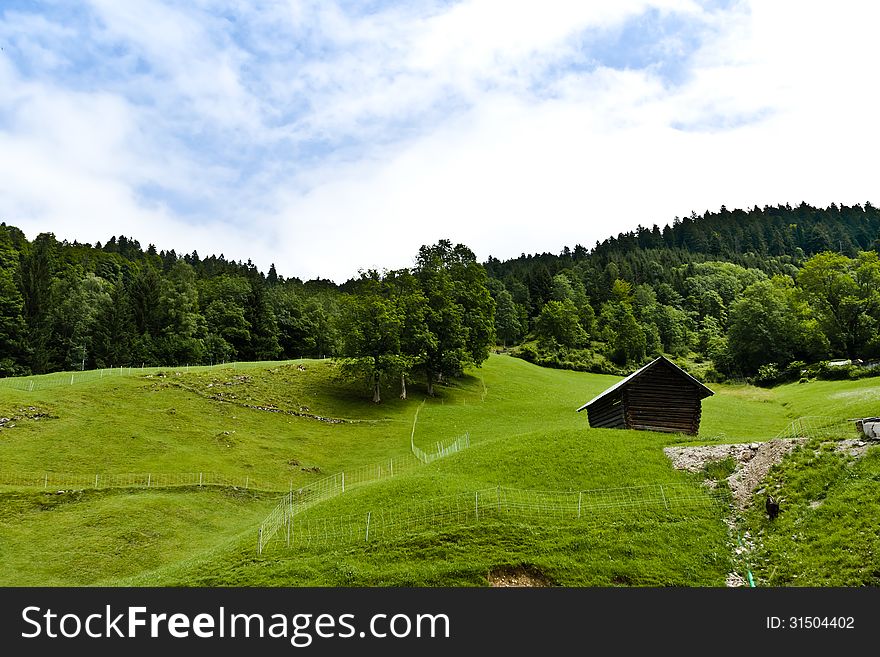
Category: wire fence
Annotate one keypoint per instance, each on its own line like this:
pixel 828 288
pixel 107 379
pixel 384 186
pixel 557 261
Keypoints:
pixel 304 496
pixel 441 450
pixel 297 501
pixel 500 503
pixel 67 480
pixel 57 379
pixel 822 427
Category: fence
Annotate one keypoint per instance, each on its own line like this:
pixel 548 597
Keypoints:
pixel 503 503
pixel 815 426
pixel 441 450
pixel 297 501
pixel 56 379
pixel 62 480
pixel 304 497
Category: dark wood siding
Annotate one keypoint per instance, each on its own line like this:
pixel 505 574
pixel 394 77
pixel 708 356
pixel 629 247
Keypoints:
pixel 659 397
pixel 608 413
pixel 660 400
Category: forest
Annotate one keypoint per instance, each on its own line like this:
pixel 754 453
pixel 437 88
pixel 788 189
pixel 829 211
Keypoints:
pixel 766 294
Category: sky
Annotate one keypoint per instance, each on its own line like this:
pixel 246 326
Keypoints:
pixel 333 136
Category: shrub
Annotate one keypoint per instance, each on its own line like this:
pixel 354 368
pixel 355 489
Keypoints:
pixel 768 375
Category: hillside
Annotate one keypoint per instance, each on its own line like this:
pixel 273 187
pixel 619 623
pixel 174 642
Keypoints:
pixel 277 428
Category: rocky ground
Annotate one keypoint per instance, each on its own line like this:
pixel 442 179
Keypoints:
pixel 753 460
pixel 752 464
pixel 28 413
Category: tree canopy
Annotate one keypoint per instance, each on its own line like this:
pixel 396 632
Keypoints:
pixel 738 289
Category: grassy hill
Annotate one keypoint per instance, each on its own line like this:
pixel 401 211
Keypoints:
pixel 284 426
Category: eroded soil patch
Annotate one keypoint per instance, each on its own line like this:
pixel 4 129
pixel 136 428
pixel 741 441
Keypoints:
pixel 520 576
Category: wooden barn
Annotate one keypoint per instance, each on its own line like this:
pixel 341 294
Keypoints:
pixel 659 397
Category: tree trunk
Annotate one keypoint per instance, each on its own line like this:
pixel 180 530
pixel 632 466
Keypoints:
pixel 402 386
pixel 430 375
pixel 376 397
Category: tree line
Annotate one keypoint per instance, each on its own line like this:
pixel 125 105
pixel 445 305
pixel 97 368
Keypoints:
pixel 70 306
pixel 771 288
pixel 747 293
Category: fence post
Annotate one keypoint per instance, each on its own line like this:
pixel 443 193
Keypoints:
pixel 71 379
pixel 343 482
pixel 477 504
pixel 200 479
pixel 391 465
pixel 247 482
pixel 580 495
pixel 663 495
pixel 367 538
pixel 260 540
pixel 46 481
pixel 149 479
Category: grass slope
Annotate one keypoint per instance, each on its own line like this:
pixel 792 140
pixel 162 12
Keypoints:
pixel 524 434
pixel 828 530
pixel 95 537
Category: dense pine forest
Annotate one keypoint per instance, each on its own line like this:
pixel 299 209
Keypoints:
pixel 768 294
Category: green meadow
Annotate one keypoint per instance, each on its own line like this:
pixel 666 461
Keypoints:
pixel 285 426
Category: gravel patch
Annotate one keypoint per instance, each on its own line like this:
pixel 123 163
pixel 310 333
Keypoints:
pixel 753 462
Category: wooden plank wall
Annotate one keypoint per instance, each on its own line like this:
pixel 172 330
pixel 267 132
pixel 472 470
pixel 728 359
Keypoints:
pixel 608 413
pixel 660 400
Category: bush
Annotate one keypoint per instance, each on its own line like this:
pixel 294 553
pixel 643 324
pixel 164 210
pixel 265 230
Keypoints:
pixel 527 352
pixel 549 353
pixel 768 375
pixel 714 376
pixel 823 370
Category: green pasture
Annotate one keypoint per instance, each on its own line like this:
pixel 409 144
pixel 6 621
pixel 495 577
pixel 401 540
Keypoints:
pixel 287 425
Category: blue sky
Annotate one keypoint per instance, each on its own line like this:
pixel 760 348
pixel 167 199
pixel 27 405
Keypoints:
pixel 332 136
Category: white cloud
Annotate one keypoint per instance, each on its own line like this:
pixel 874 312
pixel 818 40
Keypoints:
pixel 326 141
pixel 766 122
pixel 195 58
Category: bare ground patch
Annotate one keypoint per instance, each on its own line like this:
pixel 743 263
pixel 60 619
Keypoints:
pixel 753 460
pixel 752 464
pixel 517 576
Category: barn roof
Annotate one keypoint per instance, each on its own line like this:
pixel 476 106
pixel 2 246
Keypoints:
pixel 639 372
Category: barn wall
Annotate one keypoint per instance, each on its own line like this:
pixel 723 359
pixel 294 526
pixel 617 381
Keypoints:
pixel 608 413
pixel 660 400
